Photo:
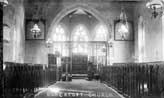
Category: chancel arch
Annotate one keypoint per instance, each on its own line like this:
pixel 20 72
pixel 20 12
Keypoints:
pixel 71 9
pixel 83 42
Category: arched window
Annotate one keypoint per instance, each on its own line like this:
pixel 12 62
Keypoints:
pixel 100 33
pixel 59 34
pixel 80 34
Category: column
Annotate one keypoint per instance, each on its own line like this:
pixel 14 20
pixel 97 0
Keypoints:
pixel 163 37
pixel 141 40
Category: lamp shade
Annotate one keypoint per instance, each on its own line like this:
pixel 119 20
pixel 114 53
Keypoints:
pixel 35 28
pixel 154 4
pixel 123 29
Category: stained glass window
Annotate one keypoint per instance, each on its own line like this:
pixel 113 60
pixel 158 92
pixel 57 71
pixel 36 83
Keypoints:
pixel 100 33
pixel 80 34
pixel 59 34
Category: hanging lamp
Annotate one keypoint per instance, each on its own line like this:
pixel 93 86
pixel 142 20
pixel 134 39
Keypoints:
pixel 156 7
pixel 123 28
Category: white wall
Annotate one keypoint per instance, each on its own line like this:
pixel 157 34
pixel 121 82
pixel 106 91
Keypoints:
pixel 14 17
pixel 153 34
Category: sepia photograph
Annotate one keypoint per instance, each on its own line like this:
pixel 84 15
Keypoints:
pixel 82 49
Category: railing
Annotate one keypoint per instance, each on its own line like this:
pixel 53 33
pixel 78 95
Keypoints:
pixel 20 79
pixel 136 80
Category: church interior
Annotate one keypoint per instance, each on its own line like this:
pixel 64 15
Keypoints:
pixel 82 49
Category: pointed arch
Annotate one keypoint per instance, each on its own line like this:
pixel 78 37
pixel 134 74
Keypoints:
pixel 70 9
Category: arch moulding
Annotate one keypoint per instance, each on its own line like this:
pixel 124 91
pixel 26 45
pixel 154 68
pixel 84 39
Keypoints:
pixel 70 9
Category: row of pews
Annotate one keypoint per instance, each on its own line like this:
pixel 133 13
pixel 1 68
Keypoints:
pixel 20 79
pixel 136 80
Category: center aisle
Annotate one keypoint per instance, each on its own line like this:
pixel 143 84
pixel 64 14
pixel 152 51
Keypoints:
pixel 78 88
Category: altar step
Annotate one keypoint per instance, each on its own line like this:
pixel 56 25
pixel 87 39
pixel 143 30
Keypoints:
pixel 79 76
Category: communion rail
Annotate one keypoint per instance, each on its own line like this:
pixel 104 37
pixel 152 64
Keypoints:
pixel 136 80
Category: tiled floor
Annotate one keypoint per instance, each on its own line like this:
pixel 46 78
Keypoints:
pixel 78 88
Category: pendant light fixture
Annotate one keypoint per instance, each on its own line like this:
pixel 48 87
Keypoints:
pixel 35 30
pixel 156 7
pixel 4 2
pixel 123 28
